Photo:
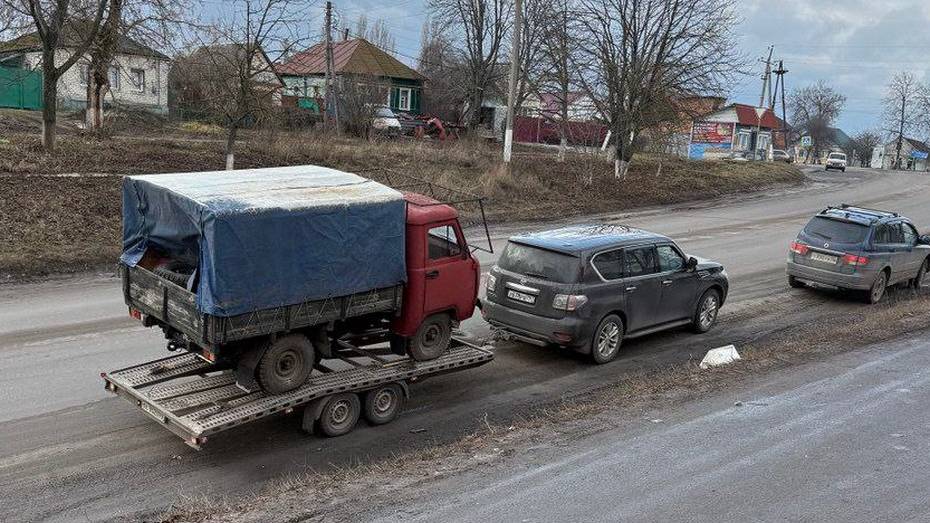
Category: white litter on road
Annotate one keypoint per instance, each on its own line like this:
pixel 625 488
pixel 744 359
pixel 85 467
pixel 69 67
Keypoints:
pixel 720 356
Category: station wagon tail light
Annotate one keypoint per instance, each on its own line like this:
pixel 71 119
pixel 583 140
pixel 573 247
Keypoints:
pixel 569 302
pixel 855 261
pixel 799 248
pixel 491 283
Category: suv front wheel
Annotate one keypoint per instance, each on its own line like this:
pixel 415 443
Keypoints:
pixel 605 345
pixel 705 315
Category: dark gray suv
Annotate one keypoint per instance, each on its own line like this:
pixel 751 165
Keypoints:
pixel 851 247
pixel 587 287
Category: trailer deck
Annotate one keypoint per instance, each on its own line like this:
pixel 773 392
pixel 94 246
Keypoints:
pixel 193 401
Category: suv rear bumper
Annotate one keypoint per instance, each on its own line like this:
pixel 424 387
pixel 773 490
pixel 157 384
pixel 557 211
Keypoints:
pixel 536 330
pixel 857 280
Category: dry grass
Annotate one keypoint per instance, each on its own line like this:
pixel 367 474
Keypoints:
pixel 388 481
pixel 54 224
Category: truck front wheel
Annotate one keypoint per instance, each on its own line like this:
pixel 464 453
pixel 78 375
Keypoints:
pixel 286 364
pixel 432 338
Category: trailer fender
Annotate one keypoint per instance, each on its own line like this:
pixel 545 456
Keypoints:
pixel 246 366
pixel 312 413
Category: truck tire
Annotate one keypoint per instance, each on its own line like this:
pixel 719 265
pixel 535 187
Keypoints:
pixel 285 364
pixel 339 414
pixel 432 338
pixel 383 404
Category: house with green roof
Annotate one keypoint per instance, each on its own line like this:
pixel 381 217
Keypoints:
pixel 304 73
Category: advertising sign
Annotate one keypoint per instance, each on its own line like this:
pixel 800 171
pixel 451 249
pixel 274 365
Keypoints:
pixel 710 140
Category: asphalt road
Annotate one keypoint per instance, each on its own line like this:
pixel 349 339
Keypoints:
pixel 70 451
pixel 846 439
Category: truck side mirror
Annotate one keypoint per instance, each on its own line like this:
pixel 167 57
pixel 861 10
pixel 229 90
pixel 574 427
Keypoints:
pixel 692 264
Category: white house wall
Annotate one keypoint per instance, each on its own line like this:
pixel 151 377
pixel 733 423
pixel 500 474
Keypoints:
pixel 72 91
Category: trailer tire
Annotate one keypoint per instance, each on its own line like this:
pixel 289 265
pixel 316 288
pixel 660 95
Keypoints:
pixel 431 339
pixel 383 404
pixel 340 414
pixel 285 364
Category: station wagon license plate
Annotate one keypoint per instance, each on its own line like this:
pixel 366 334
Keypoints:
pixel 521 297
pixel 823 258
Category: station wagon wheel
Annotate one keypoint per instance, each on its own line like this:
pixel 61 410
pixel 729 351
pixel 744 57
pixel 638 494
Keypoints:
pixel 874 295
pixel 607 339
pixel 340 414
pixel 708 307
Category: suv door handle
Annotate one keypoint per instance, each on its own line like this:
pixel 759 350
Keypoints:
pixel 432 275
pixel 631 289
pixel 667 282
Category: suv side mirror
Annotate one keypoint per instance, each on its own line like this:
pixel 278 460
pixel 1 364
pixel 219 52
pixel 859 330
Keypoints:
pixel 924 240
pixel 692 264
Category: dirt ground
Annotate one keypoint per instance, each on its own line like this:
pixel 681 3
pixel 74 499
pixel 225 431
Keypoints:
pixel 56 218
pixel 336 496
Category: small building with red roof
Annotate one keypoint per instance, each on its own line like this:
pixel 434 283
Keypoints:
pixel 736 128
pixel 304 73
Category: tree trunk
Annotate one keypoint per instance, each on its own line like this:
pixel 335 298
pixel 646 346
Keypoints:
pixel 563 145
pixel 230 145
pixel 49 101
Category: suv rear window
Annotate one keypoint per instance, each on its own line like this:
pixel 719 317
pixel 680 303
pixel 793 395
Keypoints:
pixel 540 263
pixel 836 230
pixel 837 156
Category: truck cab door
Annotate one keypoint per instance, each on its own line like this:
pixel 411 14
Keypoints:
pixel 451 274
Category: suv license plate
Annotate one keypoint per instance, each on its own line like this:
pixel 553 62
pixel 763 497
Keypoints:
pixel 521 297
pixel 823 258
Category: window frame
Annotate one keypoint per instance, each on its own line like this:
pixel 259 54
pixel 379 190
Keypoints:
pixel 114 77
pixel 608 251
pixel 678 251
pixel 905 226
pixel 655 260
pixel 132 72
pixel 462 248
pixel 400 105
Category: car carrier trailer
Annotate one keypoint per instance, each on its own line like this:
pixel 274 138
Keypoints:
pixel 190 397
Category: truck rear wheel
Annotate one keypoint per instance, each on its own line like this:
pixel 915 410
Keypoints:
pixel 339 414
pixel 432 338
pixel 286 364
pixel 383 404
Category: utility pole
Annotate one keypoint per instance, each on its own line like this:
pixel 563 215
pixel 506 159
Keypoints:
pixel 780 84
pixel 514 73
pixel 330 84
pixel 766 76
pixel 897 154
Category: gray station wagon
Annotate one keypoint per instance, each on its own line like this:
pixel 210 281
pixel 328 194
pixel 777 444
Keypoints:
pixel 857 248
pixel 590 286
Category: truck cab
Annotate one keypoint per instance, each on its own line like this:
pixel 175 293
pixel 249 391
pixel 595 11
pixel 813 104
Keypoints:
pixel 442 278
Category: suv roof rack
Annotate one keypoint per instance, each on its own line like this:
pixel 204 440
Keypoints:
pixel 442 194
pixel 874 213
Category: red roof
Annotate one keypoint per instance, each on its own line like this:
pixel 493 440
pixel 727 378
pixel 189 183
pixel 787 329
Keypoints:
pixel 746 115
pixel 358 56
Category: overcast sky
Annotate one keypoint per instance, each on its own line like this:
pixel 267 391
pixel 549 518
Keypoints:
pixel 855 45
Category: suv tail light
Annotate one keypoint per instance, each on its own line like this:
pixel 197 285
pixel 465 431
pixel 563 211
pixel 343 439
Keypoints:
pixel 569 302
pixel 799 248
pixel 855 261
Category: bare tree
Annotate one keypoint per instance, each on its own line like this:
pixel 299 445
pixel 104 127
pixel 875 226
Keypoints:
pixel 814 109
pixel 440 63
pixel 376 33
pixel 231 75
pixel 482 26
pixel 150 22
pixel 536 16
pixel 558 54
pixel 864 143
pixel 644 53
pixel 902 110
pixel 59 23
pixel 360 98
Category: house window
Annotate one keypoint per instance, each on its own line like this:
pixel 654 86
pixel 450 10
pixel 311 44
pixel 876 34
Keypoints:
pixel 742 141
pixel 137 77
pixel 114 78
pixel 84 73
pixel 403 98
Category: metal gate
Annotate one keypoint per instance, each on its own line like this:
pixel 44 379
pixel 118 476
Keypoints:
pixel 20 88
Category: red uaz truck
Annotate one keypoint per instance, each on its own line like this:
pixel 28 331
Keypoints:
pixel 270 271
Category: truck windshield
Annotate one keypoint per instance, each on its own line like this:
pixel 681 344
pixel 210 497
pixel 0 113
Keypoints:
pixel 540 263
pixel 836 230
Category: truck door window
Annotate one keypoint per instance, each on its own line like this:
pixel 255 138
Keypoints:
pixel 443 242
pixel 669 259
pixel 639 262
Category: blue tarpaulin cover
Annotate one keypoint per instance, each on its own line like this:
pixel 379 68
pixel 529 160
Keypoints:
pixel 264 238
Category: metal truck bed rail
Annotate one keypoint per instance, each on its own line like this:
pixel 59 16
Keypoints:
pixel 184 395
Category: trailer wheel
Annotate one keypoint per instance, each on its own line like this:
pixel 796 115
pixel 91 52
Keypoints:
pixel 286 364
pixel 383 404
pixel 432 338
pixel 339 414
